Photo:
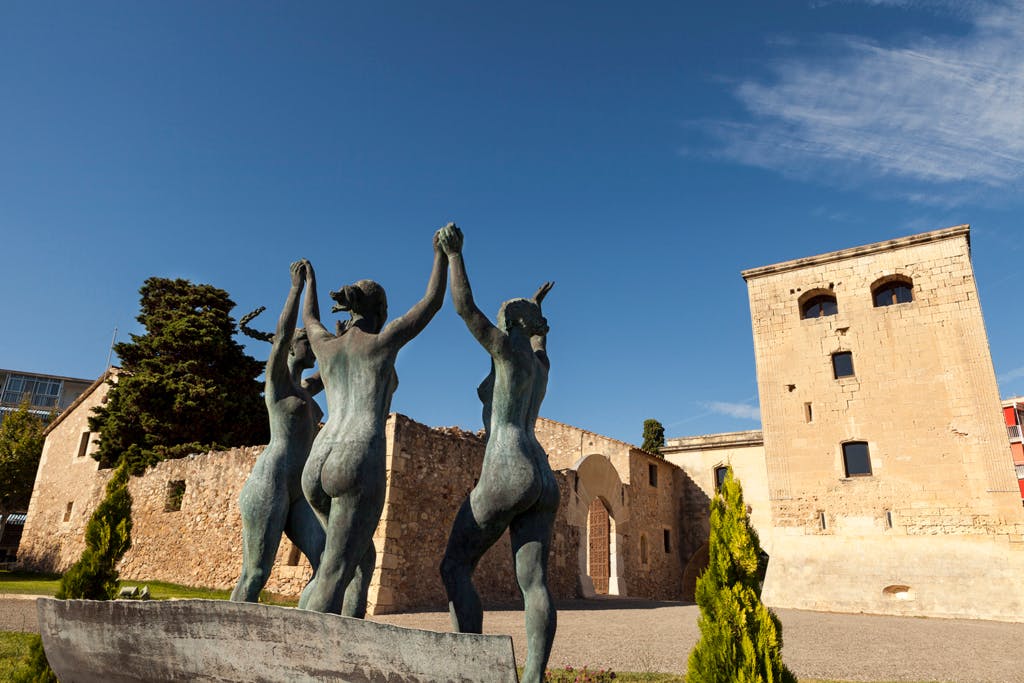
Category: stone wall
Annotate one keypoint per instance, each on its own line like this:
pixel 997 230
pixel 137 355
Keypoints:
pixel 656 521
pixel 566 446
pixel 430 473
pixel 69 485
pixel 700 456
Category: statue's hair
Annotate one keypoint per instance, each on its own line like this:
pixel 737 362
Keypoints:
pixel 514 309
pixel 250 332
pixel 372 300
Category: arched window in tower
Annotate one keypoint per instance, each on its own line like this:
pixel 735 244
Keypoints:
pixel 720 474
pixel 819 306
pixel 890 291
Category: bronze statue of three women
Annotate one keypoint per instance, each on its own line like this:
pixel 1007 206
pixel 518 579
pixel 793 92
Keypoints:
pixel 325 490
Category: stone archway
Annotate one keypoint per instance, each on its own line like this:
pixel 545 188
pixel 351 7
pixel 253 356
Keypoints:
pixel 601 515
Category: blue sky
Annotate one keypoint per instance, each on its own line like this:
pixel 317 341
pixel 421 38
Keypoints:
pixel 641 155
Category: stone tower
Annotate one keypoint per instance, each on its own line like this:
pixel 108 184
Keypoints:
pixel 890 481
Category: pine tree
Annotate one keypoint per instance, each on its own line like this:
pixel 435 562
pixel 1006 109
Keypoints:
pixel 21 445
pixel 741 639
pixel 185 385
pixel 654 437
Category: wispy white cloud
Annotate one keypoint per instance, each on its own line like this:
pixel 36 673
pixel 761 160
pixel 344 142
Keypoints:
pixel 1011 375
pixel 933 112
pixel 740 410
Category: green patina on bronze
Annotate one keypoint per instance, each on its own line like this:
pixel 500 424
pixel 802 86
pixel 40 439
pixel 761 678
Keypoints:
pixel 516 489
pixel 272 502
pixel 344 478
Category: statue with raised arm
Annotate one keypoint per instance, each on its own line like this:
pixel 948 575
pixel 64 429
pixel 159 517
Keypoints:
pixel 344 479
pixel 272 501
pixel 516 489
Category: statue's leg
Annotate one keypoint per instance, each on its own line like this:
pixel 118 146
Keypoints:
pixel 350 526
pixel 308 535
pixel 531 542
pixel 263 520
pixel 354 604
pixel 476 528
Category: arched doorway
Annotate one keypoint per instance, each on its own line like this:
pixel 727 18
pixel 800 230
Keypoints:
pixel 599 511
pixel 599 550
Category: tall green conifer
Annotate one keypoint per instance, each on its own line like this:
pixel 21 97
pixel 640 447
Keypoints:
pixel 654 437
pixel 185 385
pixel 741 639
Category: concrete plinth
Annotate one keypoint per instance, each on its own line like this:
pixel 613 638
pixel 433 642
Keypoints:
pixel 215 640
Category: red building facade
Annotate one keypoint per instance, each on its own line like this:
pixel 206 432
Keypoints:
pixel 1013 415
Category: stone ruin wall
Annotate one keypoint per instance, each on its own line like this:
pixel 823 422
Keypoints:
pixel 654 510
pixel 430 471
pixel 645 510
pixel 567 445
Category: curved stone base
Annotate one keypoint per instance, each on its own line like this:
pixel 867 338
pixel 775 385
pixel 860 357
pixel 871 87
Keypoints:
pixel 215 640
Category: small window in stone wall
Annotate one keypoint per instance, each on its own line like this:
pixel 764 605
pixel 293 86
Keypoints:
pixel 67 511
pixel 83 445
pixel 720 475
pixel 643 549
pixel 666 535
pixel 842 364
pixel 293 556
pixel 175 493
pixel 652 474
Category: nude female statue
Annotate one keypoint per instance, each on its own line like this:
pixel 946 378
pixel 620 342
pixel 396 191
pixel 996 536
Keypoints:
pixel 344 479
pixel 516 489
pixel 272 501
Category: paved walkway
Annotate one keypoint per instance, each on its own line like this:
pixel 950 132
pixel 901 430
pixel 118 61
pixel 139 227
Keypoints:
pixel 635 635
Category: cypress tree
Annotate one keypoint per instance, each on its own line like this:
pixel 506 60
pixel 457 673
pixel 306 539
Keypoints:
pixel 108 536
pixel 654 437
pixel 741 639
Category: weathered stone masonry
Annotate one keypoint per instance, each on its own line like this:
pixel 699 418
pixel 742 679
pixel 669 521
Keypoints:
pixel 430 472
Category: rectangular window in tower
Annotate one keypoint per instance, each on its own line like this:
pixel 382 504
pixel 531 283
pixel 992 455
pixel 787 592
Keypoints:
pixel 856 459
pixel 842 364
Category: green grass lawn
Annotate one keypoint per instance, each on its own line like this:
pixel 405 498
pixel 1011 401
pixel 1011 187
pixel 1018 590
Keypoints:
pixel 13 646
pixel 40 584
pixel 28 584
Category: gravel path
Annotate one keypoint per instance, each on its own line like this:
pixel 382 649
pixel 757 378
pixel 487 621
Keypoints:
pixel 633 635
pixel 636 635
